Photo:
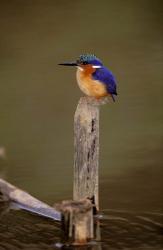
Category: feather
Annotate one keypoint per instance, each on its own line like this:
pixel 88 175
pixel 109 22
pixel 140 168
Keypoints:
pixel 105 76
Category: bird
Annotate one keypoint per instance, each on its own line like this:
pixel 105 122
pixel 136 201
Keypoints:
pixel 94 79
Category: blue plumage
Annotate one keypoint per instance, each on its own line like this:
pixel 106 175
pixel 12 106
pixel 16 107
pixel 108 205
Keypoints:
pixel 89 59
pixel 89 66
pixel 105 76
pixel 101 74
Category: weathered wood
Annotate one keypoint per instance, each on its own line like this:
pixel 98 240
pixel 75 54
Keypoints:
pixel 23 200
pixel 86 155
pixel 77 220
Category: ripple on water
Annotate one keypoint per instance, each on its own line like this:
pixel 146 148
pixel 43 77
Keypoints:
pixel 119 230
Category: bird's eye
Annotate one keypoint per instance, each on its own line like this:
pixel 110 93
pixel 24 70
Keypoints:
pixel 84 63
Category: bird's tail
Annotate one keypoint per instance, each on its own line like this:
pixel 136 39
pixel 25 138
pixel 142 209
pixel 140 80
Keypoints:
pixel 112 96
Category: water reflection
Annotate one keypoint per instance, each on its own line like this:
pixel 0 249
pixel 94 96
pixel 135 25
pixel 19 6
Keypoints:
pixel 119 230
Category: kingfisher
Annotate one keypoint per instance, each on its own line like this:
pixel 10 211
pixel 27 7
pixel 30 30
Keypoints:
pixel 93 78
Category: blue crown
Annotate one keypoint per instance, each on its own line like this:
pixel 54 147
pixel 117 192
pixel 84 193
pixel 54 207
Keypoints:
pixel 89 59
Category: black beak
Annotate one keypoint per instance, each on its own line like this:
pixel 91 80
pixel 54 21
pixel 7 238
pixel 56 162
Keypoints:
pixel 68 64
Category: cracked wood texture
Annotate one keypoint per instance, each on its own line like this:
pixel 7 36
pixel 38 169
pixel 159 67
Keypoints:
pixel 86 155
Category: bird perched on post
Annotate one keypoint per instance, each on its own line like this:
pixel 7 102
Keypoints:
pixel 93 78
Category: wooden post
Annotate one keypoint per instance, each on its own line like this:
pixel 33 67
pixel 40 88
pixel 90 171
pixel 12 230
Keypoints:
pixel 77 220
pixel 86 155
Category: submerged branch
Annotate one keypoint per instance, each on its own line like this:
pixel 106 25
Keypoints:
pixel 25 201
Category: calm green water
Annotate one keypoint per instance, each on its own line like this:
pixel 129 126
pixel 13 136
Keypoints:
pixel 38 100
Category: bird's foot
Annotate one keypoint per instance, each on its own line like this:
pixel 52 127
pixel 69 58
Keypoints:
pixel 98 102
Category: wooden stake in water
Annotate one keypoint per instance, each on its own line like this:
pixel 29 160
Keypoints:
pixel 77 221
pixel 86 155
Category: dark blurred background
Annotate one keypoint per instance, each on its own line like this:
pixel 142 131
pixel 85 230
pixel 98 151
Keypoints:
pixel 38 98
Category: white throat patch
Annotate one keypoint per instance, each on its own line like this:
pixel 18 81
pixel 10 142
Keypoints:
pixel 80 68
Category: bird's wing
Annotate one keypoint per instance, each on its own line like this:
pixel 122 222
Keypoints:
pixel 105 76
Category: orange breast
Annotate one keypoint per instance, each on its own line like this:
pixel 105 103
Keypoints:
pixel 89 86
